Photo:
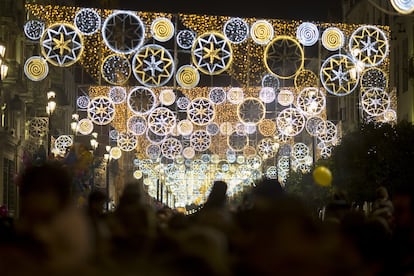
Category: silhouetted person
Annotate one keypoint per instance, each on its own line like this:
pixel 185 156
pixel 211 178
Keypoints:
pixel 52 234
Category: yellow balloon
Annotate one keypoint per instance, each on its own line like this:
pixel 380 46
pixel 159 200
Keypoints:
pixel 322 176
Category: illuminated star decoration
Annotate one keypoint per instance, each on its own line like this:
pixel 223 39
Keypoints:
pixel 101 110
pixel 339 75
pixel 61 45
pixel 212 53
pixel 369 45
pixel 153 65
pixel 284 57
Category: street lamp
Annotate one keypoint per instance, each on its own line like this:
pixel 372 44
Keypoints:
pixel 108 158
pixel 3 65
pixel 74 123
pixel 50 109
pixel 94 145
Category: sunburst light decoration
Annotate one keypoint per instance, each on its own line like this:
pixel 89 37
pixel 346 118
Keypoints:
pixel 202 97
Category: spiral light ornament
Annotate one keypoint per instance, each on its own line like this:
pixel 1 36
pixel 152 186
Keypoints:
pixel 162 29
pixel 261 32
pixel 36 68
pixel 187 76
pixel 403 6
pixel 333 39
pixel 307 33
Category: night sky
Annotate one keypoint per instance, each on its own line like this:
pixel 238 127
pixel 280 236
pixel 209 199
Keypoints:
pixel 299 9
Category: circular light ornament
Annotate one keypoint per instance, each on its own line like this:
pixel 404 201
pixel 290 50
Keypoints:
pixel 161 121
pixel 123 32
pixel 235 95
pixel 137 124
pixel 36 68
pixel 213 128
pixel 162 29
pixel 200 140
pixel 127 141
pixel 333 39
pixel 185 38
pixel 236 30
pixel 188 153
pixel 115 153
pixel 116 69
pixel 85 126
pixel 82 102
pixel 327 132
pixel 300 151
pixel 403 6
pixel 237 142
pixel 101 110
pixel 170 148
pixel 226 128
pixel 87 21
pixel 63 142
pixel 369 45
pixel 167 97
pixel 153 151
pixel 183 102
pixel 271 81
pixel 117 94
pixel 290 122
pixel 61 44
pixel 251 111
pixel 307 33
pixel 201 111
pixel 375 101
pixel 137 174
pixel 217 95
pixel 33 29
pixel 185 127
pixel 284 57
pixel 261 32
pixel 211 53
pixel 267 127
pixel 306 78
pixel 315 126
pixel 187 76
pixel 311 101
pixel 390 116
pixel 285 97
pixel 141 100
pixel 267 94
pixel 153 65
pixel 374 77
pixel 339 75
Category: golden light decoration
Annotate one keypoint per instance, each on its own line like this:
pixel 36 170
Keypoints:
pixel 285 97
pixel 188 153
pixel 306 78
pixel 261 32
pixel 85 126
pixel 167 97
pixel 284 57
pixel 162 29
pixel 137 174
pixel 333 38
pixel 251 111
pixel 187 76
pixel 185 127
pixel 36 68
pixel 235 95
pixel 116 69
pixel 267 127
pixel 61 44
pixel 212 53
pixel 115 153
pixel 226 128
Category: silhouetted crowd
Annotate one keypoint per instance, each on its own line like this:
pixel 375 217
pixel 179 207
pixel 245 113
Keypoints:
pixel 271 232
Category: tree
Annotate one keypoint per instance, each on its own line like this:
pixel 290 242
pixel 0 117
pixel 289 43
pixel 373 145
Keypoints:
pixel 370 156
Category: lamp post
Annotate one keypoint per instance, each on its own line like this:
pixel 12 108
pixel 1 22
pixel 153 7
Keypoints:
pixel 50 109
pixel 107 157
pixel 74 125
